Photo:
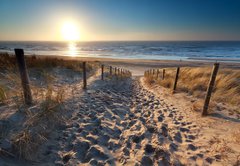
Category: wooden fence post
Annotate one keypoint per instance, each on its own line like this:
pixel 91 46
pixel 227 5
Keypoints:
pixel 157 74
pixel 176 79
pixel 84 75
pixel 102 71
pixel 117 73
pixel 24 76
pixel 210 88
pixel 110 70
pixel 163 74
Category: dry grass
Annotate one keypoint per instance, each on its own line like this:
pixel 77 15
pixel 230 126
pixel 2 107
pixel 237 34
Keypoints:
pixel 8 62
pixel 39 124
pixel 236 136
pixel 222 147
pixel 194 81
pixel 26 144
pixel 47 111
pixel 40 72
pixel 3 95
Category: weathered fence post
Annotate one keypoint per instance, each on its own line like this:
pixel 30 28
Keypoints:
pixel 157 74
pixel 163 74
pixel 24 76
pixel 115 71
pixel 210 88
pixel 102 71
pixel 84 75
pixel 110 70
pixel 176 79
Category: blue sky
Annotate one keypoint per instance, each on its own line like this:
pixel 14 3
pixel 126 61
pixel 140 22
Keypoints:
pixel 121 19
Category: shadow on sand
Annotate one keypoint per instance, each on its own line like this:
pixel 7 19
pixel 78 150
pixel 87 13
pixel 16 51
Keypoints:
pixel 217 115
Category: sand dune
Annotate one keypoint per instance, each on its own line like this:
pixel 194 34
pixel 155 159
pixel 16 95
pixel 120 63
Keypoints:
pixel 126 122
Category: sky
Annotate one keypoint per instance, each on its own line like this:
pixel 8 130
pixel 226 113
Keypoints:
pixel 114 20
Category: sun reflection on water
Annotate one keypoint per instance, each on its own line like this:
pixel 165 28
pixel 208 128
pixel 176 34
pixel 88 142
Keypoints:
pixel 72 49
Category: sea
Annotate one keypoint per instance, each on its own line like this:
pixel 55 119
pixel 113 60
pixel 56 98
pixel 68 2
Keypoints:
pixel 228 51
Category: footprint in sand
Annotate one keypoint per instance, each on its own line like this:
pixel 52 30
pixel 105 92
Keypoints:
pixel 92 139
pixel 126 151
pixel 164 129
pixel 170 115
pixel 95 153
pixel 182 129
pixel 191 137
pixel 178 137
pixel 161 118
pixel 192 147
pixel 149 149
pixel 137 139
pixel 151 128
pixel 173 147
pixel 81 148
pixel 146 161
pixel 103 140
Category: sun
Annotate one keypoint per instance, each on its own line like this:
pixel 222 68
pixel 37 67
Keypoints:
pixel 70 31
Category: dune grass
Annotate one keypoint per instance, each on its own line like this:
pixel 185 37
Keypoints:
pixel 39 68
pixel 50 79
pixel 3 96
pixel 194 81
pixel 8 62
pixel 39 124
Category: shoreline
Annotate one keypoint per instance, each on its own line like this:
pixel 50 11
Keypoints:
pixel 109 57
pixel 138 66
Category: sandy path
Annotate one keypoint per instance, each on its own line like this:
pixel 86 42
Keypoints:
pixel 122 123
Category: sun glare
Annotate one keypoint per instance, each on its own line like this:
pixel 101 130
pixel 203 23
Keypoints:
pixel 72 49
pixel 70 31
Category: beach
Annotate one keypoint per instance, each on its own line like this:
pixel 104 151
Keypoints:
pixel 138 66
pixel 119 83
pixel 119 120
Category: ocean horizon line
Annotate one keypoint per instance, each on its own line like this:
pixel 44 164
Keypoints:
pixel 64 41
